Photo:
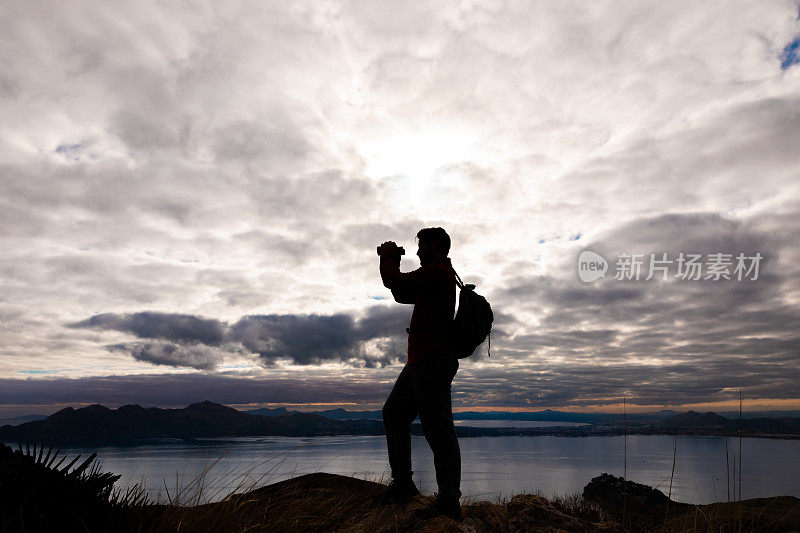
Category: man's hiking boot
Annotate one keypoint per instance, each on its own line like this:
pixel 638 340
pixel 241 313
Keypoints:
pixel 449 508
pixel 400 491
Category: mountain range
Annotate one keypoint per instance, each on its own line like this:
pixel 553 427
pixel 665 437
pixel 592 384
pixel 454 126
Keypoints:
pixel 128 423
pixel 751 426
pixel 132 423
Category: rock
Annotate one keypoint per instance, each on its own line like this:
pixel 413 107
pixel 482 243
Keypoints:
pixel 634 505
pixel 641 508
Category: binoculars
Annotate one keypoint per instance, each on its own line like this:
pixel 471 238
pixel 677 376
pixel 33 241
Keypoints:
pixel 400 250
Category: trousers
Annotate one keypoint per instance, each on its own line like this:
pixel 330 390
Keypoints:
pixel 423 389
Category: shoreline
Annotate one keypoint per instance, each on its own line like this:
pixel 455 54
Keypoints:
pixel 463 432
pixel 467 434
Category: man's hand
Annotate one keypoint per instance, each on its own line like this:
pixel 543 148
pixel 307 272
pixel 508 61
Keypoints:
pixel 389 248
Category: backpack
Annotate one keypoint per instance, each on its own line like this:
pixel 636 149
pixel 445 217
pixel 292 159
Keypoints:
pixel 473 321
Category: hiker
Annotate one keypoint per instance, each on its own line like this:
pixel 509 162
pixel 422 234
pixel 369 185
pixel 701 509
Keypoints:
pixel 423 387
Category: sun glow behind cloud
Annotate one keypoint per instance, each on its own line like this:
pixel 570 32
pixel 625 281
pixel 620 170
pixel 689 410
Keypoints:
pixel 411 162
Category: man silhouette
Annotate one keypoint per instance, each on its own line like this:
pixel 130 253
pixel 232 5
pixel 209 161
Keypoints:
pixel 423 387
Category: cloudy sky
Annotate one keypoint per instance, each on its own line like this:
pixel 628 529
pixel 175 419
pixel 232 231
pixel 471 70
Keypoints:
pixel 192 195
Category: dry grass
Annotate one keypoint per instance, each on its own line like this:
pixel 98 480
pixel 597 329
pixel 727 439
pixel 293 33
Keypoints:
pixel 321 502
pixel 756 515
pixel 576 505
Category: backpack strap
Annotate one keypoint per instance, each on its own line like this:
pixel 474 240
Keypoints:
pixel 458 278
pixel 461 284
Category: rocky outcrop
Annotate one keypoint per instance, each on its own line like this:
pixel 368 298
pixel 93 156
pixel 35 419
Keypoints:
pixel 639 508
pixel 636 506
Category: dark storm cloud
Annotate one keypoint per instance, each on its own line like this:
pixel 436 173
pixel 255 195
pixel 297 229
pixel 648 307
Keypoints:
pixel 150 325
pixel 305 339
pixel 308 339
pixel 166 353
pixel 384 321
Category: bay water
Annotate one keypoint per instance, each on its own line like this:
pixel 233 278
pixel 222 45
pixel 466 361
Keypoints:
pixel 492 467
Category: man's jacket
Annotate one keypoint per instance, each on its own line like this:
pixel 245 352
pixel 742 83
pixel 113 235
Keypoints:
pixel 432 290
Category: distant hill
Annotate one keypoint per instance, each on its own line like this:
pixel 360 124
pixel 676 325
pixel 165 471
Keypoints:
pixel 709 423
pixel 766 426
pixel 343 414
pixel 760 414
pixel 335 414
pixel 693 419
pixel 279 411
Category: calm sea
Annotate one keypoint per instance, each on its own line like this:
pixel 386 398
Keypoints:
pixel 491 466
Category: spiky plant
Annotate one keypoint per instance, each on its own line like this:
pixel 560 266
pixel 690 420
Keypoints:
pixel 37 493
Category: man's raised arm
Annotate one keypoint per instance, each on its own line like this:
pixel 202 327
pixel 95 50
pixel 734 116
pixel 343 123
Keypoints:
pixel 404 286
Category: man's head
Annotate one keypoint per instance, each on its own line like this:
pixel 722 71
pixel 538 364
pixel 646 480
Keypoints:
pixel 434 243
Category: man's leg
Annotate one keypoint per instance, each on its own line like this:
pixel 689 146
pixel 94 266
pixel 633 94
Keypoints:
pixel 398 412
pixel 432 385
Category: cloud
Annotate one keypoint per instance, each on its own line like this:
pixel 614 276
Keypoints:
pixel 509 385
pixel 305 339
pixel 183 389
pixel 371 340
pixel 654 341
pixel 151 325
pixel 590 385
pixel 166 353
pixel 219 175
